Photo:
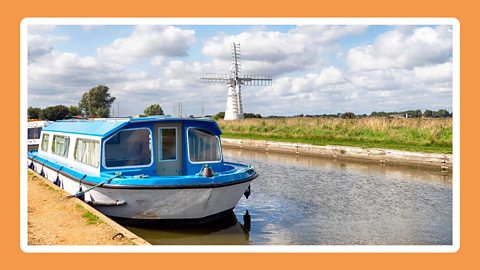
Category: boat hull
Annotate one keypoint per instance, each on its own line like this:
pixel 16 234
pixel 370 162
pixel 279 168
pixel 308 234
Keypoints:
pixel 155 203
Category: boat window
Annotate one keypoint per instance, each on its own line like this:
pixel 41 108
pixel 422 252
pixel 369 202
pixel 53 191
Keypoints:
pixel 34 133
pixel 88 152
pixel 167 141
pixel 45 142
pixel 60 145
pixel 128 148
pixel 203 146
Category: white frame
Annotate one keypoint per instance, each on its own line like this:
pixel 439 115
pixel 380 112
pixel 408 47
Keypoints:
pixel 75 149
pixel 69 160
pixel 203 162
pixel 40 148
pixel 160 136
pixel 68 145
pixel 25 247
pixel 150 138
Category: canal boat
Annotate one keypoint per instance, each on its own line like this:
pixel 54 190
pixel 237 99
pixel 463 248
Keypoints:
pixel 150 168
pixel 34 129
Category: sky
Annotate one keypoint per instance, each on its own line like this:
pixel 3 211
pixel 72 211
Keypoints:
pixel 316 69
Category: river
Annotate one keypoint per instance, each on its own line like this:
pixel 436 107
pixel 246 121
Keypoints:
pixel 300 200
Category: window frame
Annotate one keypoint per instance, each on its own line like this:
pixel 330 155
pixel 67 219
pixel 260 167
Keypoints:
pixel 150 141
pixel 160 143
pixel 88 140
pixel 39 133
pixel 48 142
pixel 68 145
pixel 203 162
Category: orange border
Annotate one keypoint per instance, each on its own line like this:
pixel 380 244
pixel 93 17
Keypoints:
pixel 11 15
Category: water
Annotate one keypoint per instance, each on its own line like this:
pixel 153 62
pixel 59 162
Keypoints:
pixel 313 201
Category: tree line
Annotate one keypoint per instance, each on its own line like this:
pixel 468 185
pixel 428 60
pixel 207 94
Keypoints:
pixel 442 113
pixel 95 103
pixel 221 115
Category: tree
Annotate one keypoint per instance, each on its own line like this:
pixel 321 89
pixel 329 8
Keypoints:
pixel 74 111
pixel 54 113
pixel 34 113
pixel 219 115
pixel 428 113
pixel 154 109
pixel 348 115
pixel 442 113
pixel 96 102
pixel 251 115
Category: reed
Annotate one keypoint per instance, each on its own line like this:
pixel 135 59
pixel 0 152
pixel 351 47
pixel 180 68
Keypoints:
pixel 412 134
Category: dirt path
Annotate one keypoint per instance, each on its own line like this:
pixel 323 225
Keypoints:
pixel 55 220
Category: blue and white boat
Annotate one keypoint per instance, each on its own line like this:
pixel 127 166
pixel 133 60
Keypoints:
pixel 151 168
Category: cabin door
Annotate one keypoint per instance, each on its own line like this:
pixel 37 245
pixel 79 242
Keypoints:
pixel 168 139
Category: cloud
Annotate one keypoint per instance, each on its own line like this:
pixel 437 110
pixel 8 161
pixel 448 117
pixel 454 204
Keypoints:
pixel 276 53
pixel 434 73
pixel 324 81
pixel 405 68
pixel 40 40
pixel 148 41
pixel 62 77
pixel 405 47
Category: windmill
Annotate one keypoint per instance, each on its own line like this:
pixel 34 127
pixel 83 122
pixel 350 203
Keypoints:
pixel 234 109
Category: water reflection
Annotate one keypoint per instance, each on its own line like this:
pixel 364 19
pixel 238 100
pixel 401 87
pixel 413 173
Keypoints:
pixel 226 230
pixel 368 168
pixel 300 200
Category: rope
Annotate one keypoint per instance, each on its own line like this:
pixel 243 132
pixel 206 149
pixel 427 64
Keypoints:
pixel 80 193
pixel 248 169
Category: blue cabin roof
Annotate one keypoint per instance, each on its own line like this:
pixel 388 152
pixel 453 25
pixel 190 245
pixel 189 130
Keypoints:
pixel 107 126
pixel 100 128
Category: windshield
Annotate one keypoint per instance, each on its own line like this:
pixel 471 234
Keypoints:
pixel 128 148
pixel 203 146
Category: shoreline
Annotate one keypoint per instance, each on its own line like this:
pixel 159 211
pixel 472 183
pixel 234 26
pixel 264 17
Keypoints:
pixel 54 220
pixel 372 155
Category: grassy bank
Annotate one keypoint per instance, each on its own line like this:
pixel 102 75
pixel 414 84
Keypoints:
pixel 421 135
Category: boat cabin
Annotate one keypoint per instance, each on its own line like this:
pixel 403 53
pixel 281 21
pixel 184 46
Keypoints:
pixel 148 146
pixel 34 129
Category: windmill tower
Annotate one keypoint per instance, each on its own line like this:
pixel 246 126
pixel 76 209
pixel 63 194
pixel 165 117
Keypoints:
pixel 234 109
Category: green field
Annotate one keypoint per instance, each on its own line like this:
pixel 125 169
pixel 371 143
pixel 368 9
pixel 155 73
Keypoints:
pixel 413 134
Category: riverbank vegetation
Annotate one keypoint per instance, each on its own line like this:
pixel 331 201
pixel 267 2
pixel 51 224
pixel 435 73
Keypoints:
pixel 432 135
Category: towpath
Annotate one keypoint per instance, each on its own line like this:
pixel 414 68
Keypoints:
pixel 55 220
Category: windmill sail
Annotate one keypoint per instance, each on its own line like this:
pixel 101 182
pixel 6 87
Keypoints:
pixel 234 108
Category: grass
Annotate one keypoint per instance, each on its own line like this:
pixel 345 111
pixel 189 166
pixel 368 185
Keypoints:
pixel 419 134
pixel 90 217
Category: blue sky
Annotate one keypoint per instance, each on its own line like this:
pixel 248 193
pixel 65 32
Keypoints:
pixel 316 69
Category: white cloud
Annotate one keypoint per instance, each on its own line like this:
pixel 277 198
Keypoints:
pixel 435 73
pixel 41 29
pixel 406 47
pixel 148 41
pixel 276 53
pixel 326 81
pixel 407 68
pixel 40 41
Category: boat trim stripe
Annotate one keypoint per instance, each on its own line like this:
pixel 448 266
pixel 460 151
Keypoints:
pixel 183 186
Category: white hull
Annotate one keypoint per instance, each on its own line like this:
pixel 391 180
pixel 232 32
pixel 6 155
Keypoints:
pixel 155 204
